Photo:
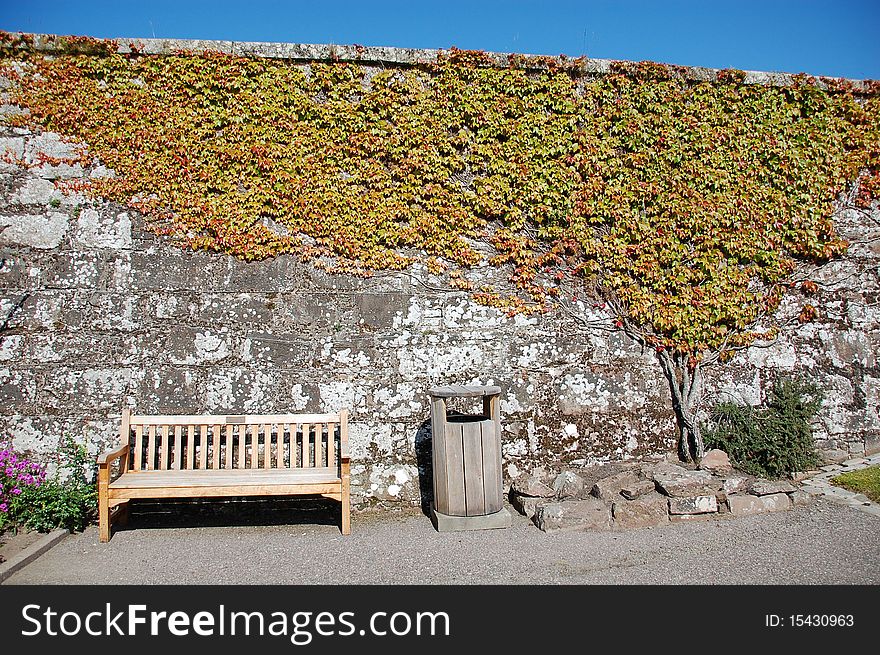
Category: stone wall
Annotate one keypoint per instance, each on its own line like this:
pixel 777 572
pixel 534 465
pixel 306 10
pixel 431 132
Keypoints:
pixel 97 314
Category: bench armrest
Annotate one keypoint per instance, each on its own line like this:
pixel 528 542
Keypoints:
pixel 108 456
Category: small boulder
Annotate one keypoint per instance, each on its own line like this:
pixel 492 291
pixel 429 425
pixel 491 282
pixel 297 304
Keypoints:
pixel 664 468
pixel 800 498
pixel 533 487
pixel 745 505
pixel 736 484
pixel 800 476
pixel 767 487
pixel 589 514
pixel 693 505
pixel 680 482
pixel 637 489
pixel 715 460
pixel 834 456
pixel 609 488
pixel 527 505
pixel 568 485
pixel 648 510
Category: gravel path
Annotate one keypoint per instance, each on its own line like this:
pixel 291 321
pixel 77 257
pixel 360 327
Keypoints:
pixel 822 543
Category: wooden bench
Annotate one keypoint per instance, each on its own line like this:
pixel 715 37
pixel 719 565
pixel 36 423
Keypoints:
pixel 217 456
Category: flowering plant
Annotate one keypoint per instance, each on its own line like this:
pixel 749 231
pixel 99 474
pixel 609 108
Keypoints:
pixel 17 474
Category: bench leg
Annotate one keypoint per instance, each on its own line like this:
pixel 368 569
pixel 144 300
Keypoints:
pixel 103 506
pixel 345 501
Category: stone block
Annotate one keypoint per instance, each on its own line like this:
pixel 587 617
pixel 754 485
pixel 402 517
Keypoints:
pixel 568 485
pixel 745 505
pixel 310 311
pixel 637 489
pixel 376 311
pixel 74 270
pixel 685 483
pixel 11 346
pixel 173 270
pixel 288 349
pixel 163 390
pixel 96 231
pixel 767 487
pixel 188 346
pixel 799 498
pixel 645 511
pixel 570 515
pixel 693 505
pixel 49 145
pixel 609 488
pixel 527 505
pixel 872 444
pixel 88 389
pixel 715 460
pixel 834 456
pixel 13 146
pixel 36 191
pixel 44 232
pixel 276 274
pixel 18 390
pixel 532 486
pixel 243 308
pixel 800 476
pixel 735 484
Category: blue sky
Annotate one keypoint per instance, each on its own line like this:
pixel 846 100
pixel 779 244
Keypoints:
pixel 820 37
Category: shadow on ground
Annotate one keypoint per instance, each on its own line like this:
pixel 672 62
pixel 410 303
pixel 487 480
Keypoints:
pixel 166 513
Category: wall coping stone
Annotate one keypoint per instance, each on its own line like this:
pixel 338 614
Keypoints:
pixel 410 57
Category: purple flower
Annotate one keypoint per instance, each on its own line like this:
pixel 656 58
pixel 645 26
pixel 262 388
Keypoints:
pixel 3 507
pixel 16 492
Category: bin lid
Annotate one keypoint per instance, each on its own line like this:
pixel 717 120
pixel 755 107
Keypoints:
pixel 460 391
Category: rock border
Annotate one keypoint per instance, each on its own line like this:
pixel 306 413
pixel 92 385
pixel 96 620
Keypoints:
pixel 655 493
pixel 32 552
pixel 821 483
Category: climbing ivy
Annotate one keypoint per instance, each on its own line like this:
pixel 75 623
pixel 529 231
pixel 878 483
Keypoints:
pixel 681 206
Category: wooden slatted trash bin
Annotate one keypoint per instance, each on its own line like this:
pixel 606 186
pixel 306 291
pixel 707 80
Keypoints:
pixel 466 457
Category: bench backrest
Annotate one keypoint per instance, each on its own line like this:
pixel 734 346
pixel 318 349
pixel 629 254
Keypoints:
pixel 265 441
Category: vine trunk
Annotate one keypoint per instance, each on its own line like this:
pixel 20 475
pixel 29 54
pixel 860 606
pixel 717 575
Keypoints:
pixel 685 383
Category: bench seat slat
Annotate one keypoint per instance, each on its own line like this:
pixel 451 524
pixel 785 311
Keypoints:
pixel 327 489
pixel 235 477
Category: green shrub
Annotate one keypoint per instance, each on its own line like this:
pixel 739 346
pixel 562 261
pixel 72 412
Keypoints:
pixel 68 499
pixel 771 440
